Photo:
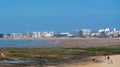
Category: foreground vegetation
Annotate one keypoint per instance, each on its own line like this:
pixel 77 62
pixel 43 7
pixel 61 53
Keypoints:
pixel 54 56
pixel 57 54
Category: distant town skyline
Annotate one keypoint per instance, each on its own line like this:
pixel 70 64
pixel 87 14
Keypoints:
pixel 72 31
pixel 82 33
pixel 59 16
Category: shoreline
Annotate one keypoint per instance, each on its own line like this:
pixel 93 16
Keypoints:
pixel 54 38
pixel 75 42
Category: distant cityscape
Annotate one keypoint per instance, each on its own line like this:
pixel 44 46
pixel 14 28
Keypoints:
pixel 81 33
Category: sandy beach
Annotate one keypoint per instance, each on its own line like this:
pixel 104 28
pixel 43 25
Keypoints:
pixel 114 58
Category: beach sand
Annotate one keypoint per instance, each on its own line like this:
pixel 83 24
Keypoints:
pixel 114 58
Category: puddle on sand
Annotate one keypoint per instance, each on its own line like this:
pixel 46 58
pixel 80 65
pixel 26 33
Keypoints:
pixel 19 61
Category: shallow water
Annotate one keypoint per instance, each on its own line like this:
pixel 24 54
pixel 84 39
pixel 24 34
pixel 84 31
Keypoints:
pixel 18 61
pixel 28 43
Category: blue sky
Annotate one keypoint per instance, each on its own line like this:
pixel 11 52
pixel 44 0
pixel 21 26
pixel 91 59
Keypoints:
pixel 58 15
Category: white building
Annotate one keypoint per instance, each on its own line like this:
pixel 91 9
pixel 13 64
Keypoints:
pixel 36 35
pixel 104 30
pixel 42 34
pixel 86 32
pixel 107 30
pixel 6 36
pixel 101 30
pixel 115 33
pixel 94 34
pixel 47 34
pixel 67 34
pixel 16 35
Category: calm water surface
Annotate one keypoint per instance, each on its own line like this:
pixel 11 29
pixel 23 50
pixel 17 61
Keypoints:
pixel 28 43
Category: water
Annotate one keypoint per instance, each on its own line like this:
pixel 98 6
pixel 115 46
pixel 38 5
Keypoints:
pixel 28 43
pixel 19 61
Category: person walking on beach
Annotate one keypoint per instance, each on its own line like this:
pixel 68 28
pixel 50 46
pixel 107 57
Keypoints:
pixel 108 58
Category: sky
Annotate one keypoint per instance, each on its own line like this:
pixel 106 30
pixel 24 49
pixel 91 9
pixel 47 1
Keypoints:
pixel 58 15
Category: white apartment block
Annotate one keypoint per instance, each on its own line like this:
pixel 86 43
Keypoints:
pixel 47 34
pixel 42 34
pixel 16 35
pixel 36 34
pixel 86 32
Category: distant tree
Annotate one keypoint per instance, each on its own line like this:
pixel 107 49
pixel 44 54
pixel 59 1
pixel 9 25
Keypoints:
pixel 1 35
